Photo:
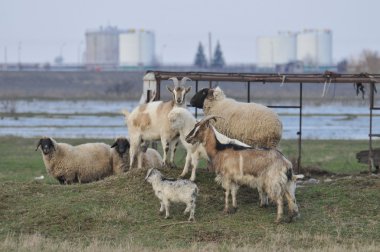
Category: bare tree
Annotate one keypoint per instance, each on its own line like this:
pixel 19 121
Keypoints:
pixel 368 61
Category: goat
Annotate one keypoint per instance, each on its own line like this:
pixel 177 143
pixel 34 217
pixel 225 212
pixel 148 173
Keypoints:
pixel 168 191
pixel 149 122
pixel 265 169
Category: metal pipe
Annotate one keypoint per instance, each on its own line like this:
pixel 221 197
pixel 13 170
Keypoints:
pixel 370 152
pixel 299 133
pixel 196 91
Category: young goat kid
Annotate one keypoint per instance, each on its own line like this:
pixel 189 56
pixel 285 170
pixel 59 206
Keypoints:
pixel 149 122
pixel 265 169
pixel 168 191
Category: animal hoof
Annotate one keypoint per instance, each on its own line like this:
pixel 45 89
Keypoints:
pixel 230 210
pixel 191 219
pixel 263 205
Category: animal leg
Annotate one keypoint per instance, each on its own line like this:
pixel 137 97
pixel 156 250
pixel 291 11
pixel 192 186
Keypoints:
pixel 165 147
pixel 192 211
pixel 280 209
pixel 173 147
pixel 293 208
pixel 263 198
pixel 194 164
pixel 187 164
pixel 134 150
pixel 167 206
pixel 227 187
pixel 234 190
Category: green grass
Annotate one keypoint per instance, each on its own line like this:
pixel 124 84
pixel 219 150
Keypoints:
pixel 122 212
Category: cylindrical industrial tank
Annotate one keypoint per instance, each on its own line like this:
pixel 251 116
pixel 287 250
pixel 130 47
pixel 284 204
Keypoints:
pixel 136 48
pixel 264 51
pixel 314 47
pixel 284 48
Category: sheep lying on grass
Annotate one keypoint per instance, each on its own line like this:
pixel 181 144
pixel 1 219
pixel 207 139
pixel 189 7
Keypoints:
pixel 168 191
pixel 120 156
pixel 251 123
pixel 265 169
pixel 75 164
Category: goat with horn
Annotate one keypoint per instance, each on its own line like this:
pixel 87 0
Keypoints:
pixel 234 164
pixel 149 122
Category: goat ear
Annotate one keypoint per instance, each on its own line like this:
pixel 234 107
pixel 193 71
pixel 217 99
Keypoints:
pixel 38 144
pixel 170 89
pixel 188 89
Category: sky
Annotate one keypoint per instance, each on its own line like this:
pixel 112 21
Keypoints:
pixel 40 30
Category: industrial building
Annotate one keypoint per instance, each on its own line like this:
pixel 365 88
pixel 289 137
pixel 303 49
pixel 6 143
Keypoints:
pixel 111 46
pixel 136 48
pixel 102 46
pixel 311 47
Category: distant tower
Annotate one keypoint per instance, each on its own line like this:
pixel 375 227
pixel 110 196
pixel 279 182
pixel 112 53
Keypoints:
pixel 314 47
pixel 137 48
pixel 102 46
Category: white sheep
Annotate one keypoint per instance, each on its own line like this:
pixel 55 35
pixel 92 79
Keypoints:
pixel 149 122
pixel 173 191
pixel 251 123
pixel 183 121
pixel 72 164
pixel 120 156
pixel 265 169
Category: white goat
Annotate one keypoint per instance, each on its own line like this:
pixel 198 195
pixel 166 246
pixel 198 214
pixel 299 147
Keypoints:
pixel 265 169
pixel 149 122
pixel 167 191
pixel 183 121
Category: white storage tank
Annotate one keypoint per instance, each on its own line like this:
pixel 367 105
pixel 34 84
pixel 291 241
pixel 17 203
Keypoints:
pixel 264 51
pixel 314 47
pixel 284 48
pixel 280 49
pixel 136 48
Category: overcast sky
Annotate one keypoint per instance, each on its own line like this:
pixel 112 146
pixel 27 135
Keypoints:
pixel 37 30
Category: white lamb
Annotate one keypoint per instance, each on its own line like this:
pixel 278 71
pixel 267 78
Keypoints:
pixel 168 191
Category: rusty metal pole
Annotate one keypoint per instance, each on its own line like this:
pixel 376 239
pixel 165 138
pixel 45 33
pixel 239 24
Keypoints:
pixel 299 133
pixel 371 106
pixel 158 89
pixel 196 91
pixel 249 92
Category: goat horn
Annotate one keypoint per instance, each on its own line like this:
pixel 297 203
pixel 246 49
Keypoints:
pixel 175 80
pixel 208 118
pixel 184 79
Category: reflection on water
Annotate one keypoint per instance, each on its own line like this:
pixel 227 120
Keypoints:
pixel 102 119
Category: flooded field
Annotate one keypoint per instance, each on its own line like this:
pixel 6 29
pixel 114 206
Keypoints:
pixel 103 119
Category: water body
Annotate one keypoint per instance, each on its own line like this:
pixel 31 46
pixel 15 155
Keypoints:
pixel 102 119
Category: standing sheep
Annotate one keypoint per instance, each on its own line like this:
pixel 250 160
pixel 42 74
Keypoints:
pixel 75 164
pixel 251 123
pixel 172 191
pixel 149 122
pixel 120 156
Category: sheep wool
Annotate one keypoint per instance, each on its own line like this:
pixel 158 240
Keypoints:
pixel 251 123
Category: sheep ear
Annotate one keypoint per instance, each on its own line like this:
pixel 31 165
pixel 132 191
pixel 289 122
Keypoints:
pixel 170 89
pixel 38 144
pixel 210 93
pixel 114 144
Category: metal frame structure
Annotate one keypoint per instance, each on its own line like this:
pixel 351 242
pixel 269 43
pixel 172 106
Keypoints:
pixel 154 78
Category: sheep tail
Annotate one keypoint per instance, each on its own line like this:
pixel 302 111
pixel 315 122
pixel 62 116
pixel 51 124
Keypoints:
pixel 125 112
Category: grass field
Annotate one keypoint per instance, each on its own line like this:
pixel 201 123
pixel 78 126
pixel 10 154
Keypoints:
pixel 121 213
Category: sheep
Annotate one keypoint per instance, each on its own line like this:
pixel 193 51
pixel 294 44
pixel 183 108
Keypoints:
pixel 75 164
pixel 251 123
pixel 149 122
pixel 265 169
pixel 168 191
pixel 120 156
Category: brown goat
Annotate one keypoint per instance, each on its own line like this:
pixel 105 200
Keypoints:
pixel 265 169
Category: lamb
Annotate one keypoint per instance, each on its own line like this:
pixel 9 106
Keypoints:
pixel 120 156
pixel 265 169
pixel 149 122
pixel 251 123
pixel 168 191
pixel 75 164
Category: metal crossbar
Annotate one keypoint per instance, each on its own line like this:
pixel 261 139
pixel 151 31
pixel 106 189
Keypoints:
pixel 324 78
